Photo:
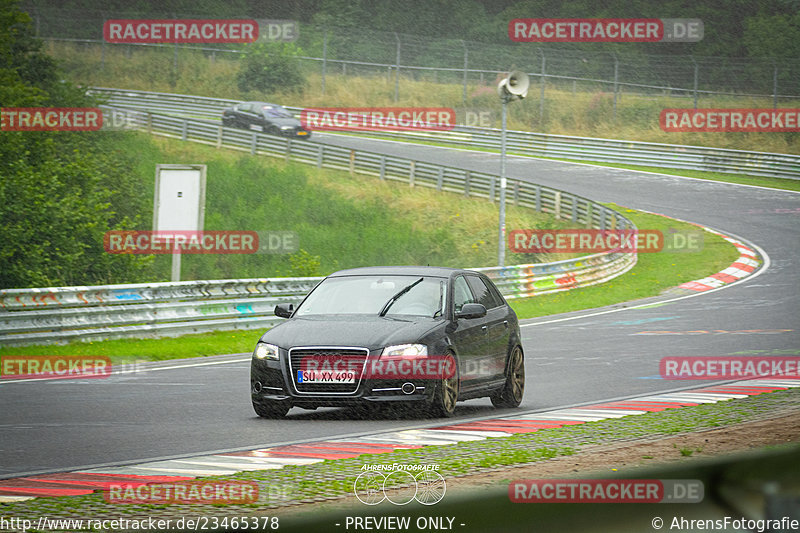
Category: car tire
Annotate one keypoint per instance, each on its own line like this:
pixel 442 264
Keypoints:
pixel 273 130
pixel 512 391
pixel 445 396
pixel 271 409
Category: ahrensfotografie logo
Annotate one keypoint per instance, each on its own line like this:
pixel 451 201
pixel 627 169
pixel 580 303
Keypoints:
pixel 400 484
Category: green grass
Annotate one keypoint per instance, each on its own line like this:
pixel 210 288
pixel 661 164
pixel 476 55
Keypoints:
pixel 131 350
pixel 653 273
pixel 343 221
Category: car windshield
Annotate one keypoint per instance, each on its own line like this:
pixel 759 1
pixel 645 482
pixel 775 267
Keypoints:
pixel 276 112
pixel 370 294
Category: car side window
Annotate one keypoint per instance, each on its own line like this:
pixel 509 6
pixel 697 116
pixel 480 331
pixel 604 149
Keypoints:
pixel 461 293
pixel 483 294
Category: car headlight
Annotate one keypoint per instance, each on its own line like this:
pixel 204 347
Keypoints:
pixel 406 349
pixel 286 127
pixel 265 351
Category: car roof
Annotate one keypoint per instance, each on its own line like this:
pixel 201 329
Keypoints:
pixel 434 271
pixel 264 104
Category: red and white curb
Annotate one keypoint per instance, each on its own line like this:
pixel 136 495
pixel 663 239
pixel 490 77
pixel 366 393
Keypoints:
pixel 745 265
pixel 154 472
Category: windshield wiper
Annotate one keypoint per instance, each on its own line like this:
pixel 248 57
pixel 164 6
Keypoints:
pixel 394 298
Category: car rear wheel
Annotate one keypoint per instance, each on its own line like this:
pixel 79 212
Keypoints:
pixel 510 395
pixel 271 409
pixel 446 395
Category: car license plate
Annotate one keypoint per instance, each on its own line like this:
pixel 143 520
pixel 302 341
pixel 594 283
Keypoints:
pixel 326 376
pixel 302 133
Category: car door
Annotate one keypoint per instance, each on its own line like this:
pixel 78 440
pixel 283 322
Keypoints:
pixel 255 122
pixel 240 115
pixel 469 337
pixel 496 326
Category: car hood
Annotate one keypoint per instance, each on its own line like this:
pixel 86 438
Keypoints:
pixel 366 331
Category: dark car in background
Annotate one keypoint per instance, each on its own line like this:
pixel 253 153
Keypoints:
pixel 427 336
pixel 265 118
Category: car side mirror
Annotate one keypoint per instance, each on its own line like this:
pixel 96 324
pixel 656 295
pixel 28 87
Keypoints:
pixel 471 310
pixel 284 310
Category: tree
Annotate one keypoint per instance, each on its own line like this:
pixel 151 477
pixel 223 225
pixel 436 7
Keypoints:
pixel 59 191
pixel 270 67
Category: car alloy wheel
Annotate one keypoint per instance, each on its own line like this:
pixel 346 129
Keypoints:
pixel 446 394
pixel 510 395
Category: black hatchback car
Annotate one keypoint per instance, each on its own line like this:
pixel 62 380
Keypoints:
pixel 266 118
pixel 382 335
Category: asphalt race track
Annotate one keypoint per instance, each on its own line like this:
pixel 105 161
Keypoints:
pixel 187 407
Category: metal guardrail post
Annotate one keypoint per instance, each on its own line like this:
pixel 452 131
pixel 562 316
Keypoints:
pixel 382 174
pixel 440 179
pixel 557 205
pixel 467 177
pixel 411 173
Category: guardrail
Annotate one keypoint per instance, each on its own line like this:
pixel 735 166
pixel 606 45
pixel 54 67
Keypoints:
pixel 518 142
pixel 47 315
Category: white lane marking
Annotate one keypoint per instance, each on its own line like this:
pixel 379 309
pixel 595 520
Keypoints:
pixel 135 370
pixel 9 499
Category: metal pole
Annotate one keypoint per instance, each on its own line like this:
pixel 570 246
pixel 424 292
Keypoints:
pixel 176 264
pixel 397 72
pixel 466 53
pixel 501 232
pixel 616 80
pixel 695 82
pixel 324 57
pixel 541 93
pixel 775 88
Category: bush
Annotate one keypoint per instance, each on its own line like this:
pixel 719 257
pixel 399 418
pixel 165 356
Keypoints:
pixel 269 67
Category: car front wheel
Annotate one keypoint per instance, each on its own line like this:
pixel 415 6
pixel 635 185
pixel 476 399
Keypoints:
pixel 510 395
pixel 446 394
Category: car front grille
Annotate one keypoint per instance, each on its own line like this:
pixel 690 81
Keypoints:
pixel 297 354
